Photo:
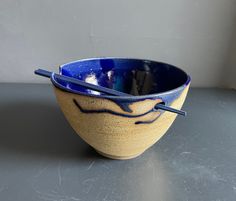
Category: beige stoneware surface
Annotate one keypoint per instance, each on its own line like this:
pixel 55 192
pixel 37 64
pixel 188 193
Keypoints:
pixel 114 136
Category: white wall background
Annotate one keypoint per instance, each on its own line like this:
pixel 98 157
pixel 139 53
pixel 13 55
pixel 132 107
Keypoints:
pixel 195 35
pixel 229 79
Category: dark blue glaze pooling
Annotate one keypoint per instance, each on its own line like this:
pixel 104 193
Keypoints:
pixel 118 74
pixel 153 80
pixel 117 113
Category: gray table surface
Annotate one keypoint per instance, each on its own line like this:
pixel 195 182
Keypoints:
pixel 41 157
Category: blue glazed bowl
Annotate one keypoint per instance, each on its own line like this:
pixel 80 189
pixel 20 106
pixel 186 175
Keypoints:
pixel 121 127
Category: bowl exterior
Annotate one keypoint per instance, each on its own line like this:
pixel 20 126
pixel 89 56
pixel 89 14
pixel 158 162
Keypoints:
pixel 113 132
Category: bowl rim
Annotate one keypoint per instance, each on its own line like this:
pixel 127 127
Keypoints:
pixel 133 98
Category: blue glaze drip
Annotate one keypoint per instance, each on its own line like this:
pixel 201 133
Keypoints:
pixel 124 105
pixel 116 113
pixel 147 122
pixel 167 99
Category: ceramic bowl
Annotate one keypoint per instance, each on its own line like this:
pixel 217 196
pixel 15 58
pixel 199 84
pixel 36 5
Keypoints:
pixel 121 127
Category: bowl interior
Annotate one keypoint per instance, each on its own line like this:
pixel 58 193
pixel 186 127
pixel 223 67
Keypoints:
pixel 133 76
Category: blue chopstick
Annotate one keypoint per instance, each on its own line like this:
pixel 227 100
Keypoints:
pixel 170 109
pixel 109 91
pixel 80 83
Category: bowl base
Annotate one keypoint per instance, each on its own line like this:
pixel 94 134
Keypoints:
pixel 118 157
